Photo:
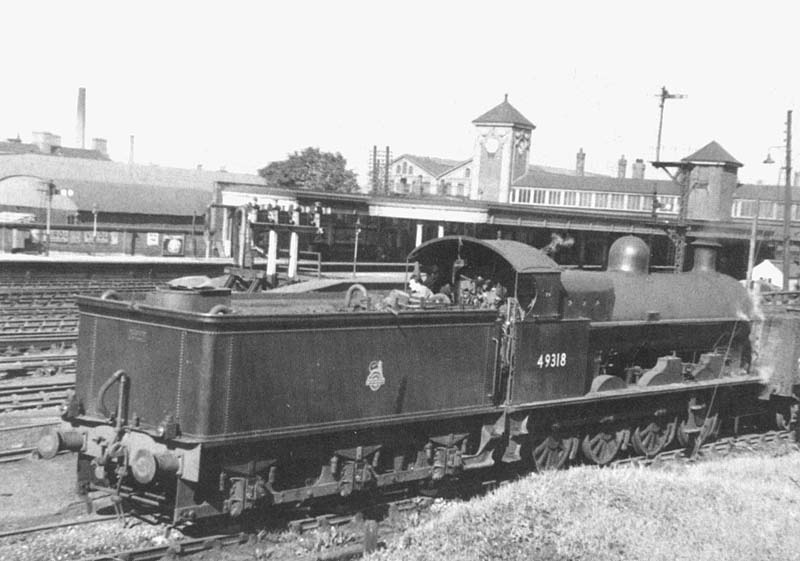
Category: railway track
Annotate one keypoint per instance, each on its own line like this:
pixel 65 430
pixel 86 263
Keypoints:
pixel 38 364
pixel 18 442
pixel 56 526
pixel 35 395
pixel 350 535
pixel 39 323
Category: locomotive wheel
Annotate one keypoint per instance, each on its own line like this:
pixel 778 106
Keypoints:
pixel 708 431
pixel 602 447
pixel 650 438
pixel 552 452
pixel 786 416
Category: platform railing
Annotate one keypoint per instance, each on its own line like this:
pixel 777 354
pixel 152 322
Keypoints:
pixel 780 298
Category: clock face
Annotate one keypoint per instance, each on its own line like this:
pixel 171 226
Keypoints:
pixel 174 246
pixel 492 145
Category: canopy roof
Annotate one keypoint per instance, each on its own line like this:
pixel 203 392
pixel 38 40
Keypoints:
pixel 521 257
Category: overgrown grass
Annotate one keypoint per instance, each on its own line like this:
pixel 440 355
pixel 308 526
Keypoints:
pixel 745 508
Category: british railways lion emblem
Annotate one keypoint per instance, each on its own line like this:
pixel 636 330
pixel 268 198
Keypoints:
pixel 375 378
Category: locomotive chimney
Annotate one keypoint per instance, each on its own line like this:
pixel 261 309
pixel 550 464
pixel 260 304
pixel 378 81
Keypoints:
pixel 705 256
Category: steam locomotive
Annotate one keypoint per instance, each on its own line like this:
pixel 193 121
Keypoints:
pixel 199 403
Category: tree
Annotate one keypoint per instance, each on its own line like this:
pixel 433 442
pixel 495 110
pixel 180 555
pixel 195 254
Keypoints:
pixel 311 170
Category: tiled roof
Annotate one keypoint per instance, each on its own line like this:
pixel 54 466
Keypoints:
pixel 105 171
pixel 13 147
pixel 546 180
pixel 434 166
pixel 504 114
pixel 136 198
pixel 563 171
pixel 765 192
pixel 712 153
pixel 794 268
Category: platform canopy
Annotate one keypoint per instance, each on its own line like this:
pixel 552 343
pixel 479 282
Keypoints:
pixel 483 254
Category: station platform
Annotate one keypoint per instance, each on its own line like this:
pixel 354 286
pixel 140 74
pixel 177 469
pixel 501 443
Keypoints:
pixel 18 267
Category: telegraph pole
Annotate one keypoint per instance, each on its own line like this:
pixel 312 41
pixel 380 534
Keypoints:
pixel 787 204
pixel 664 95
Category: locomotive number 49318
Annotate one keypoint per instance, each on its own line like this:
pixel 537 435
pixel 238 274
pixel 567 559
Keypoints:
pixel 552 360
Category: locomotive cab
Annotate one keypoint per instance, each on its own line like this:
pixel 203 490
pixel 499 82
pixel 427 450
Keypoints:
pixel 526 275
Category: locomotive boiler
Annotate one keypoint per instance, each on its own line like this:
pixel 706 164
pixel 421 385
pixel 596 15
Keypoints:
pixel 199 403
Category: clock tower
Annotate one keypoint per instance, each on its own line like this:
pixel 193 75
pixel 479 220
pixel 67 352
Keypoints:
pixel 502 147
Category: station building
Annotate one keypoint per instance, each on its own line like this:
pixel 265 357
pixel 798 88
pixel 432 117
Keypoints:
pixel 495 192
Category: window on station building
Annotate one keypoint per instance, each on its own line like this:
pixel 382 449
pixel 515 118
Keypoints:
pixel 410 169
pixel 668 204
pixel 601 200
pixel 466 173
pixel 554 198
pixel 585 200
pixel 634 202
pixel 570 198
pixel 745 208
pixel 795 212
pixel 398 169
pixel 617 201
pixel 766 209
pixel 522 196
pixel 405 167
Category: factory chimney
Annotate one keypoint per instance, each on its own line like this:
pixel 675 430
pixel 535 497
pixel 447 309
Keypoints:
pixel 81 129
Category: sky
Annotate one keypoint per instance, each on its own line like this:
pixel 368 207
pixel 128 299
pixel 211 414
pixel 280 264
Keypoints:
pixel 240 84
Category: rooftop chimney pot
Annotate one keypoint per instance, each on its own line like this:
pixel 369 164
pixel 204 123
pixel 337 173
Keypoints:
pixel 580 163
pixel 622 167
pixel 637 169
pixel 101 145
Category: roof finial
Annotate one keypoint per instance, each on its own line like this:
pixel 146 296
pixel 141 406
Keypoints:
pixel 506 99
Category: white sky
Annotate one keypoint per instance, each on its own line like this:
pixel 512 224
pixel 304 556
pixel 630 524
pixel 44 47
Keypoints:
pixel 239 84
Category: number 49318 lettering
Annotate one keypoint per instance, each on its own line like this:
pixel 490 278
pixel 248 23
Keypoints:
pixel 552 360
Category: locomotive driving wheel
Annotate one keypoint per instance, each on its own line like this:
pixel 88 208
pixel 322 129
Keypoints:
pixel 651 437
pixel 708 431
pixel 552 451
pixel 786 413
pixel 603 446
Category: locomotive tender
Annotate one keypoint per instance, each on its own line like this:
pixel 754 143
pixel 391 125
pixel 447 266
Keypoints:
pixel 198 403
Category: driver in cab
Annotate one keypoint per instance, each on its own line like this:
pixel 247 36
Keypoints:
pixel 417 289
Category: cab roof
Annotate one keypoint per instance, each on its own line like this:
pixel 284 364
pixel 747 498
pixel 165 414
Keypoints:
pixel 523 258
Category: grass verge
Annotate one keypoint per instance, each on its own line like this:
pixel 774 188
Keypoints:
pixel 731 509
